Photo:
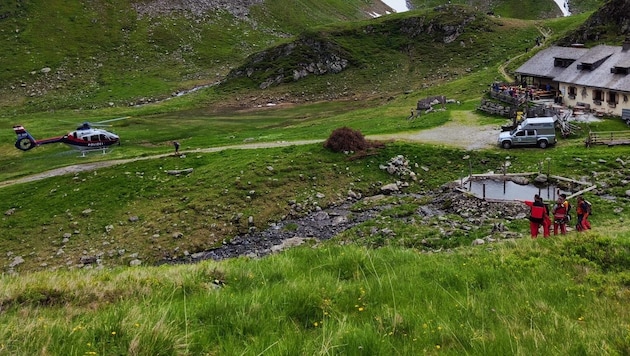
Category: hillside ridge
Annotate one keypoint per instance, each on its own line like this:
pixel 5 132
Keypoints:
pixel 610 24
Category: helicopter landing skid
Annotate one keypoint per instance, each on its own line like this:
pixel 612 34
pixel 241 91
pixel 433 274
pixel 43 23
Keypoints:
pixel 104 150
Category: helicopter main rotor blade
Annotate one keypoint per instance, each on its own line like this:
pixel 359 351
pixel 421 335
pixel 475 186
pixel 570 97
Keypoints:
pixel 112 120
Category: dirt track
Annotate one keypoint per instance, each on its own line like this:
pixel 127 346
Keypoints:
pixel 462 132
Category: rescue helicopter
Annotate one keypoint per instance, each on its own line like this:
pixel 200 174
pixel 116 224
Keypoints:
pixel 85 138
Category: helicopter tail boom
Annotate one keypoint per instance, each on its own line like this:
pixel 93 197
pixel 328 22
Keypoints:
pixel 25 141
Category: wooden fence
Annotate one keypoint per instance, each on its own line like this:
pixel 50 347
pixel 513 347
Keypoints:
pixel 609 138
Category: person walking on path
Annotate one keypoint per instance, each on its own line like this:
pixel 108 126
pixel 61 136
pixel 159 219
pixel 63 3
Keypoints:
pixel 412 115
pixel 537 213
pixel 176 145
pixel 561 215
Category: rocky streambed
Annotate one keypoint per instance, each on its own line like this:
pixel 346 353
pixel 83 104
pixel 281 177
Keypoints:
pixel 473 215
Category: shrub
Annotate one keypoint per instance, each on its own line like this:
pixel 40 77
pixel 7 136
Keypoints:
pixel 346 139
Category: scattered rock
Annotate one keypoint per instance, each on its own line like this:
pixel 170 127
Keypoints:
pixel 17 260
pixel 135 262
pixel 87 260
pixel 520 180
pixel 390 188
pixel 178 172
pixel 541 178
pixel 399 166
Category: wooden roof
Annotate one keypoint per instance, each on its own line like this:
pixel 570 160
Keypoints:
pixel 542 63
pixel 591 66
pixel 599 76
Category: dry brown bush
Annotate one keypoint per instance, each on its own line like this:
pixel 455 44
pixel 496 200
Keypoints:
pixel 345 139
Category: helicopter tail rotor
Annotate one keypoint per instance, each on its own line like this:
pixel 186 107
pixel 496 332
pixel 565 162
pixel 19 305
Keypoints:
pixel 24 140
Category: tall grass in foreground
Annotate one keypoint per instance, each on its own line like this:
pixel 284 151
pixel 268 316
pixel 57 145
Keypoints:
pixel 564 296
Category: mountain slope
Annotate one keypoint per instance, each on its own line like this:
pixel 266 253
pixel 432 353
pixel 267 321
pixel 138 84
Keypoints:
pixel 409 50
pixel 529 10
pixel 74 54
pixel 68 53
pixel 610 24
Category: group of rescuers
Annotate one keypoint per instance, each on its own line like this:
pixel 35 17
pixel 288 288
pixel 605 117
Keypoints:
pixel 539 215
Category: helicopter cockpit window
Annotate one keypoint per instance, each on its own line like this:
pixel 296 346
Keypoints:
pixel 94 138
pixel 103 137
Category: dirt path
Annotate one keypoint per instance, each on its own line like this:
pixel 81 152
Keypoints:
pixel 508 78
pixel 76 168
pixel 463 131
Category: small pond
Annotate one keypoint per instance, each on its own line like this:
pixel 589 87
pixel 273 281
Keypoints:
pixel 495 189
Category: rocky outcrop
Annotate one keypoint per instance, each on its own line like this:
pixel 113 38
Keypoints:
pixel 319 54
pixel 303 57
pixel 609 22
pixel 238 8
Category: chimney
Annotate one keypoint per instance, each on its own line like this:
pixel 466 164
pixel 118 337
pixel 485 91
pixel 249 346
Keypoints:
pixel 626 45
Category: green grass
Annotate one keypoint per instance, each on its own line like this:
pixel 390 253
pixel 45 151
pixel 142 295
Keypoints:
pixel 96 207
pixel 102 52
pixel 389 292
pixel 518 297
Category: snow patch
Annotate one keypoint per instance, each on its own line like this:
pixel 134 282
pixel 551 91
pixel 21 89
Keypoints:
pixel 564 7
pixel 401 5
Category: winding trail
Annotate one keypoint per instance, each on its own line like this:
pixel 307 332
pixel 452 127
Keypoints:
pixel 83 167
pixel 508 78
pixel 463 131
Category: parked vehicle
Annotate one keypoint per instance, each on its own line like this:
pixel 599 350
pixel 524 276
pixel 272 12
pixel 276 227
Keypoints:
pixel 534 131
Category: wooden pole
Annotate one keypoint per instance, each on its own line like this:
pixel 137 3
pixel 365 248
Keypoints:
pixel 504 181
pixel 548 175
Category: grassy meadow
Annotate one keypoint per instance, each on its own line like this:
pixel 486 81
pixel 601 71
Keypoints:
pixel 553 297
pixel 356 294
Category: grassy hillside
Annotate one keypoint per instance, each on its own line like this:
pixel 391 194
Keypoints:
pixel 607 25
pixel 105 52
pixel 389 60
pixel 530 10
pixel 141 210
pixel 399 283
pixel 81 55
pixel 411 49
pixel 565 296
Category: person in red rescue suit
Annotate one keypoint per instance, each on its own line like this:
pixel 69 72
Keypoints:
pixel 560 215
pixel 582 215
pixel 538 216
